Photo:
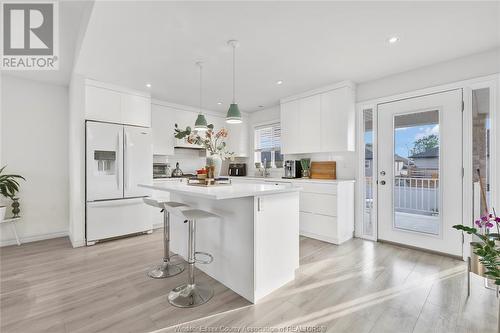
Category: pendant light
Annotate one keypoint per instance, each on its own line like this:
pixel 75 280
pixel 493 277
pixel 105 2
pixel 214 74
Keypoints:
pixel 233 114
pixel 201 122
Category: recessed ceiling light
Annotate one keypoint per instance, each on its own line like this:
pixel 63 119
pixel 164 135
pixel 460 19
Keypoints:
pixel 148 85
pixel 279 82
pixel 393 39
pixel 219 103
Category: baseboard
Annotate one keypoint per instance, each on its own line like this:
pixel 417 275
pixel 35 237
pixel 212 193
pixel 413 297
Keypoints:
pixel 34 238
pixel 323 238
pixel 158 226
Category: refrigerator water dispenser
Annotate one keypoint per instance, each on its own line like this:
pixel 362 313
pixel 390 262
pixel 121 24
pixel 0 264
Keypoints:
pixel 105 162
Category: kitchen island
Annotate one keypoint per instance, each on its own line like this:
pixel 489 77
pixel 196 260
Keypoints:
pixel 255 242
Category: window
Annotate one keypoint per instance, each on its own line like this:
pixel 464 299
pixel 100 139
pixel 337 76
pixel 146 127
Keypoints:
pixel 267 145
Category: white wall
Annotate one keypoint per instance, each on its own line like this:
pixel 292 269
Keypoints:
pixel 34 141
pixel 472 66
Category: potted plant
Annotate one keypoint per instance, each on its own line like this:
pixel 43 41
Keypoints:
pixel 9 186
pixel 487 247
pixel 213 142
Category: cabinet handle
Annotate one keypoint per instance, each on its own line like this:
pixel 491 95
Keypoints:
pixel 258 204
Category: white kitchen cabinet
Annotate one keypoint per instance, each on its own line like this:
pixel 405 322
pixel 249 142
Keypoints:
pixel 327 211
pixel 102 104
pixel 309 124
pixel 162 124
pixel 322 120
pixel 136 110
pixel 109 103
pixel 290 135
pixel 337 128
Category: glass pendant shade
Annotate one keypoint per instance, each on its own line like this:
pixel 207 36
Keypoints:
pixel 233 114
pixel 201 123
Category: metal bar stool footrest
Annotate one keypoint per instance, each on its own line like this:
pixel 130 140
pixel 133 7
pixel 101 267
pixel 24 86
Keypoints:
pixel 201 261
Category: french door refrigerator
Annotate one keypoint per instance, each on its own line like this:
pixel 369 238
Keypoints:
pixel 118 158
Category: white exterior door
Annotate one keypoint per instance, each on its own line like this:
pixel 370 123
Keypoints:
pixel 104 161
pixel 138 160
pixel 420 172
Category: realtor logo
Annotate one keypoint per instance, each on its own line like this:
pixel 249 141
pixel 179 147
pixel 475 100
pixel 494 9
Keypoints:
pixel 30 35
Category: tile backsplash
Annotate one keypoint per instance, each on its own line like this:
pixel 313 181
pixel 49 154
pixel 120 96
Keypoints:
pixel 346 162
pixel 191 160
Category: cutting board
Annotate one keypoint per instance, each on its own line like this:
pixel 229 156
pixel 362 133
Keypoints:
pixel 324 170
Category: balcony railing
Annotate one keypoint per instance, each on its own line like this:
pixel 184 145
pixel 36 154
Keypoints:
pixel 416 195
pixel 411 195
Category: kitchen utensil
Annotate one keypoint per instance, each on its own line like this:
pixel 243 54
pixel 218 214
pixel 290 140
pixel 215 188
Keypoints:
pixel 177 171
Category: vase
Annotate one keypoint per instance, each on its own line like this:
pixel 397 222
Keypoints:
pixel 15 207
pixel 216 161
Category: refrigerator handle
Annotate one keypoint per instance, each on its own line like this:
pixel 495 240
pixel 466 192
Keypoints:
pixel 125 159
pixel 117 158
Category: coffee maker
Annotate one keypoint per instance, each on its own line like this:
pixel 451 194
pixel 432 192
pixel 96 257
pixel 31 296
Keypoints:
pixel 293 169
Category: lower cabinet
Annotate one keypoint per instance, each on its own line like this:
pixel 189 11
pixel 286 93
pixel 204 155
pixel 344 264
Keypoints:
pixel 327 211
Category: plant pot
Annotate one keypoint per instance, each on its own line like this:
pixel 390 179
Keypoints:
pixel 15 207
pixel 216 161
pixel 3 209
pixel 476 266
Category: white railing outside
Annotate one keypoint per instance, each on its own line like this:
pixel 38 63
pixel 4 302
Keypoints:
pixel 416 195
pixel 411 195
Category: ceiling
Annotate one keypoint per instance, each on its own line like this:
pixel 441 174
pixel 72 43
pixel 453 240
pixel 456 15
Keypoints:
pixel 305 44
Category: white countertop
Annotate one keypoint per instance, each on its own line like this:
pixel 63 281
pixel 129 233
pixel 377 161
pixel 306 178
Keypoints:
pixel 222 191
pixel 296 180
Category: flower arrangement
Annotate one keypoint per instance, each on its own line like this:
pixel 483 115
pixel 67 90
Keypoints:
pixel 486 249
pixel 213 141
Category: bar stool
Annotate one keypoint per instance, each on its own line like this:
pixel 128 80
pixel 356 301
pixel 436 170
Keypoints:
pixel 192 294
pixel 167 268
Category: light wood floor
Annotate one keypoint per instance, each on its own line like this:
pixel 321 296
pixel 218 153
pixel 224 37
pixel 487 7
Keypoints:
pixel 360 286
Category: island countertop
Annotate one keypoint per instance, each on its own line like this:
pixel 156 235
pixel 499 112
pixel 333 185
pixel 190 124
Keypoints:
pixel 220 192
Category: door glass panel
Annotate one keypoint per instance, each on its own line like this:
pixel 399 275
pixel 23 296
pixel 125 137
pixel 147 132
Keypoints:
pixel 481 126
pixel 368 212
pixel 416 172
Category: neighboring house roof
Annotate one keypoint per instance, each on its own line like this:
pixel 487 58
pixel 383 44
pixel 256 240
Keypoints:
pixel 429 153
pixel 369 155
pixel 398 158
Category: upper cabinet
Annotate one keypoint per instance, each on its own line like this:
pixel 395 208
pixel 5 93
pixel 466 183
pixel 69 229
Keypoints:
pixel 338 120
pixel 319 121
pixel 102 104
pixel 162 125
pixel 110 103
pixel 136 110
pixel 289 115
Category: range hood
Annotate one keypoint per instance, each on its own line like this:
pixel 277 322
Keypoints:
pixel 182 144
